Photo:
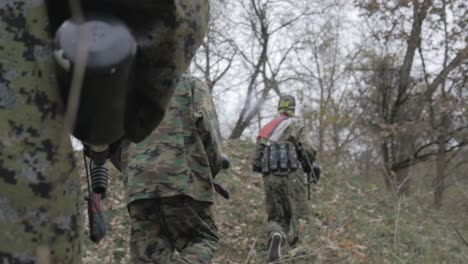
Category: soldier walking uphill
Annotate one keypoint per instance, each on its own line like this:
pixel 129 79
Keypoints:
pixel 277 159
pixel 39 187
pixel 170 179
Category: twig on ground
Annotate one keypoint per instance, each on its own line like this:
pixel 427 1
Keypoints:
pixel 399 259
pixel 461 236
pixel 305 256
pixel 250 251
pixel 396 222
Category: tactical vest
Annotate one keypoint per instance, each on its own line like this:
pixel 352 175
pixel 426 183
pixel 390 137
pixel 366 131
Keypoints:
pixel 277 156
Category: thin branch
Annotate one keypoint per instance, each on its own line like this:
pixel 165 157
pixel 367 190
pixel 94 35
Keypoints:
pixel 414 159
pixel 456 61
pixel 225 69
pixel 283 59
pixel 461 236
pixel 251 251
pixel 423 61
pixel 398 258
pixel 290 22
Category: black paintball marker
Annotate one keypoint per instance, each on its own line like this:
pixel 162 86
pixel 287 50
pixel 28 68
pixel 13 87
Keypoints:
pixel 312 170
pixel 225 164
pixel 99 125
pixel 96 214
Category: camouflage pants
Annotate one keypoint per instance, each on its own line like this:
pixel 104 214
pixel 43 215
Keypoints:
pixel 286 206
pixel 160 227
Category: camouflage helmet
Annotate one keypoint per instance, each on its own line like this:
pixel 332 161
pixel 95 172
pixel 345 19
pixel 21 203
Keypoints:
pixel 287 105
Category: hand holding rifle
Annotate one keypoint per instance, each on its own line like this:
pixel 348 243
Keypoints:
pixel 225 164
pixel 313 170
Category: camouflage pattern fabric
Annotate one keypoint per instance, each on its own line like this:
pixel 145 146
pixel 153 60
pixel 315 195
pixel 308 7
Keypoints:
pixel 39 188
pixel 285 205
pixel 168 33
pixel 285 194
pixel 170 181
pixel 172 230
pixel 181 156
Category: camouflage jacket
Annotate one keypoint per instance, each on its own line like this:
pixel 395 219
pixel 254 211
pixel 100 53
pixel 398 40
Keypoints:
pixel 183 155
pixel 168 34
pixel 283 129
pixel 39 187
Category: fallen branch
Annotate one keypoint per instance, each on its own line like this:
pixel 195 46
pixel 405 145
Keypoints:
pixel 461 236
pixel 395 237
pixel 251 250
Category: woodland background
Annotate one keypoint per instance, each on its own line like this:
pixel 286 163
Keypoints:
pixel 382 87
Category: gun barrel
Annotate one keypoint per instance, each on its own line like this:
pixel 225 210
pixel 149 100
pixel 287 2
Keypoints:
pixel 222 191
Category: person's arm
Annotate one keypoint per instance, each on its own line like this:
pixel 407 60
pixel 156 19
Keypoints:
pixel 206 122
pixel 257 158
pixel 305 139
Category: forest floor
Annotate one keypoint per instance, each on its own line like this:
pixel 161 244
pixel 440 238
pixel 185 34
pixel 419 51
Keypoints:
pixel 354 220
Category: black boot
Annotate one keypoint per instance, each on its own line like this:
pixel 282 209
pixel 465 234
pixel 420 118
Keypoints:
pixel 274 250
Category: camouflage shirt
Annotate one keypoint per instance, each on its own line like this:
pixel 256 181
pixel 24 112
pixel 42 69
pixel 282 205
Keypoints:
pixel 182 156
pixel 39 187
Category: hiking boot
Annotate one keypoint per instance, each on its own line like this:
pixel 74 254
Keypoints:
pixel 274 251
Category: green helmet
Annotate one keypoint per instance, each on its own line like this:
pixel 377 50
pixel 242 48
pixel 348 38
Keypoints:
pixel 287 105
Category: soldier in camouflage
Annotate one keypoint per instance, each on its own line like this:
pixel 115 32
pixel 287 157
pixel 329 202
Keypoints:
pixel 170 179
pixel 39 187
pixel 285 195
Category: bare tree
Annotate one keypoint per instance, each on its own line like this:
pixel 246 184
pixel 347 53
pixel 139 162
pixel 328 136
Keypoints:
pixel 322 63
pixel 406 100
pixel 217 53
pixel 265 52
pixel 442 109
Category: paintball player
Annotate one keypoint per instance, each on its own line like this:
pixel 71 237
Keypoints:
pixel 170 181
pixel 39 186
pixel 277 158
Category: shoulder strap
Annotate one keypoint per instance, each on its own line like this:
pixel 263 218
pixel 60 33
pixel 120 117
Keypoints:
pixel 275 128
pixel 278 132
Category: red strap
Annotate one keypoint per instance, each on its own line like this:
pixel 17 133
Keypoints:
pixel 268 128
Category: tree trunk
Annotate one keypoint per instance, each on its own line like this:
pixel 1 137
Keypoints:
pixel 402 175
pixel 386 167
pixel 237 131
pixel 439 181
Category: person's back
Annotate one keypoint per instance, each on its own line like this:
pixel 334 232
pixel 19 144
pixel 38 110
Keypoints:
pixel 39 187
pixel 278 160
pixel 170 179
pixel 174 159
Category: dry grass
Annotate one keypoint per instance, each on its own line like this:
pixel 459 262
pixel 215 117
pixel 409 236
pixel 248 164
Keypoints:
pixel 355 221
